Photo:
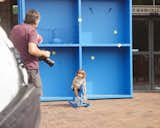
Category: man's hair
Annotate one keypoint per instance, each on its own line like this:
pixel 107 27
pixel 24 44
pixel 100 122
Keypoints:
pixel 32 16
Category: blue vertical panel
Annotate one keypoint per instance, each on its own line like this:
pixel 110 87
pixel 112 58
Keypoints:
pixel 130 31
pixel 57 80
pixel 128 21
pixel 108 70
pixel 80 19
pixel 104 21
pixel 21 11
pixel 59 20
pixel 80 57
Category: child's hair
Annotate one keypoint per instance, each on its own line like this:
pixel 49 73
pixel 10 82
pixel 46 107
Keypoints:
pixel 82 72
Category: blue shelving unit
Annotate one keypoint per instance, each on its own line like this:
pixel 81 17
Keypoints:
pixel 95 35
pixel 104 21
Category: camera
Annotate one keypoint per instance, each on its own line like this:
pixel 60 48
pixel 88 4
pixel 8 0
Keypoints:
pixel 48 61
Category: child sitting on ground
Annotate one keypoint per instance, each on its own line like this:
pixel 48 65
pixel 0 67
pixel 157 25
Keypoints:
pixel 79 82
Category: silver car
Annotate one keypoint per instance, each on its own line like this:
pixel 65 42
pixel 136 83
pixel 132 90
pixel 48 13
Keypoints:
pixel 19 102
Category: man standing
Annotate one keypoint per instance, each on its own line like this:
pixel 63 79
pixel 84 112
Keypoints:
pixel 26 39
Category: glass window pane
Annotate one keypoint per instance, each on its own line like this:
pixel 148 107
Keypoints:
pixel 156 35
pixel 142 2
pixel 141 70
pixel 157 2
pixel 156 70
pixel 140 35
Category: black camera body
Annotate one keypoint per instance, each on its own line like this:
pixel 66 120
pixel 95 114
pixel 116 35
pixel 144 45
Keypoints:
pixel 48 61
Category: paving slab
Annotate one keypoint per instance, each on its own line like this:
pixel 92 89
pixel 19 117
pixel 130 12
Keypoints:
pixel 141 111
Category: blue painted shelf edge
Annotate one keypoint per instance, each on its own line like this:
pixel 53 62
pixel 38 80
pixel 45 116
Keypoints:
pixel 107 45
pixel 58 45
pixel 90 97
pixel 85 45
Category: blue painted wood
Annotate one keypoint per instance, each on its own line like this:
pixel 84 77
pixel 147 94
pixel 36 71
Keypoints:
pixel 107 70
pixel 75 105
pixel 95 35
pixel 58 45
pixel 79 102
pixel 21 11
pixel 80 57
pixel 90 97
pixel 59 20
pixel 105 21
pixel 58 79
pixel 106 45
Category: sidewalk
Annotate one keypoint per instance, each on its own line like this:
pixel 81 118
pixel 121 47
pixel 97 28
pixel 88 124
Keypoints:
pixel 142 111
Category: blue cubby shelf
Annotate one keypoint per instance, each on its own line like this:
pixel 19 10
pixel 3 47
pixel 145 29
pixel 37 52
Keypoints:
pixel 108 70
pixel 57 80
pixel 105 21
pixel 59 22
pixel 95 35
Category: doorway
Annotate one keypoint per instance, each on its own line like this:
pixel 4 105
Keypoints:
pixel 146 53
pixel 8 14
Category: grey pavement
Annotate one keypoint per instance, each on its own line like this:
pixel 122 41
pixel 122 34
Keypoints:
pixel 141 111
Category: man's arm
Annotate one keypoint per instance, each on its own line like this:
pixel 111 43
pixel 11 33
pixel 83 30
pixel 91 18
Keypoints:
pixel 35 51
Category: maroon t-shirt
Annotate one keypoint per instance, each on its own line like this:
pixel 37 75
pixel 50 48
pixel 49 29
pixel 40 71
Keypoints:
pixel 21 35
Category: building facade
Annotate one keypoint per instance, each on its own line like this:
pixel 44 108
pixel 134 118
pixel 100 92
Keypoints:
pixel 146 39
pixel 146 44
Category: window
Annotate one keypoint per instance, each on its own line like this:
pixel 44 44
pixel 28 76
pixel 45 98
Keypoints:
pixel 157 2
pixel 143 2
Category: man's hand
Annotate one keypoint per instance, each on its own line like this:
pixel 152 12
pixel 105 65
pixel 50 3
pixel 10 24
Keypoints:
pixel 39 38
pixel 47 54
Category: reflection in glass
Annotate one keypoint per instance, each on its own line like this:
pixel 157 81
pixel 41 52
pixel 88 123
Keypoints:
pixel 157 70
pixel 141 70
pixel 156 35
pixel 142 2
pixel 157 2
pixel 140 35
